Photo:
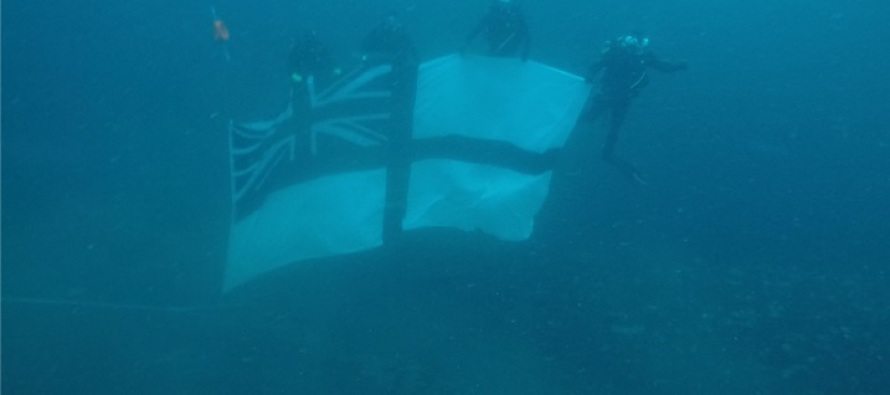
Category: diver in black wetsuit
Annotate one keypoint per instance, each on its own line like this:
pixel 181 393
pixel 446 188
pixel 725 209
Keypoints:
pixel 390 42
pixel 310 58
pixel 623 71
pixel 505 29
pixel 309 65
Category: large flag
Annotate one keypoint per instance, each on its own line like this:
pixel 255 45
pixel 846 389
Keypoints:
pixel 326 176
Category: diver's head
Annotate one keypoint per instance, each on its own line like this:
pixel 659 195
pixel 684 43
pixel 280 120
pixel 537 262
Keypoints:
pixel 635 43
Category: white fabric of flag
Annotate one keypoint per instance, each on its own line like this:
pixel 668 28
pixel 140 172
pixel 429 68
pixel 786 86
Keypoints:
pixel 485 133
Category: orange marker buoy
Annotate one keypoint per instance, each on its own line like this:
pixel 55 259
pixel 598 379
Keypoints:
pixel 220 33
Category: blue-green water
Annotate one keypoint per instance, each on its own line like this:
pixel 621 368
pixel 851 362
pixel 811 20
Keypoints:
pixel 753 262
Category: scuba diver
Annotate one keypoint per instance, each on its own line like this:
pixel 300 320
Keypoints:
pixel 389 42
pixel 622 71
pixel 505 29
pixel 309 57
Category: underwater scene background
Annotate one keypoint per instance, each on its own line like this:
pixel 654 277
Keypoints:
pixel 754 260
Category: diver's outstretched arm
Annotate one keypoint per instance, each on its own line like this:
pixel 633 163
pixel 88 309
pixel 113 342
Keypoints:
pixel 664 66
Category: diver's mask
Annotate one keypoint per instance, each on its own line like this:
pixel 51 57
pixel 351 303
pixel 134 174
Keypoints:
pixel 634 44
